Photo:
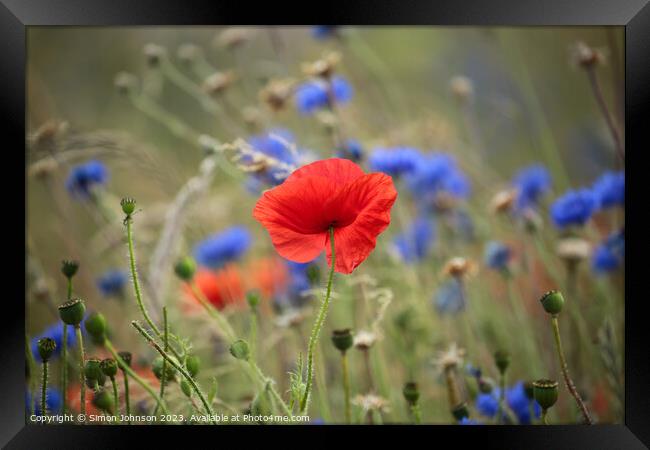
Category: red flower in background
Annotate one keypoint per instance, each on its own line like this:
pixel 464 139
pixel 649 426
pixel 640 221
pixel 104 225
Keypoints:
pixel 221 288
pixel 328 193
pixel 270 276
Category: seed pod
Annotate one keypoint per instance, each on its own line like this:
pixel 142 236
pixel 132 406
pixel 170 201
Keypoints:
pixel 128 205
pixel 126 357
pixel 96 326
pixel 411 392
pixel 46 347
pixel 193 363
pixel 69 268
pixel 185 268
pixel 104 401
pixel 545 392
pixel 72 311
pixel 157 368
pixel 93 373
pixel 502 360
pixel 552 301
pixel 240 350
pixel 460 411
pixel 109 367
pixel 342 339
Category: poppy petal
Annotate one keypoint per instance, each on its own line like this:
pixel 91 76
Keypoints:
pixel 338 170
pixel 294 216
pixel 371 196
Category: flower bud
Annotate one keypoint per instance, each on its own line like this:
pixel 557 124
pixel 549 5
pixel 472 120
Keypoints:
pixel 69 268
pixel 186 388
pixel 185 268
pixel 240 350
pixel 126 357
pixel 93 373
pixel 46 347
pixel 460 411
pixel 342 339
pixel 104 401
pixel 109 367
pixel 193 363
pixel 502 360
pixel 411 392
pixel 553 301
pixel 253 299
pixel 157 368
pixel 96 326
pixel 545 393
pixel 128 205
pixel 72 311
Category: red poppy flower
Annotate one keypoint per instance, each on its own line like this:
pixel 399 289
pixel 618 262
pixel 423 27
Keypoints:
pixel 221 288
pixel 333 192
pixel 270 276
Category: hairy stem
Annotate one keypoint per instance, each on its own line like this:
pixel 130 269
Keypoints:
pixel 127 401
pixel 64 364
pixel 135 376
pixel 44 390
pixel 177 366
pixel 116 399
pixel 163 377
pixel 29 356
pixel 82 358
pixel 565 371
pixel 318 325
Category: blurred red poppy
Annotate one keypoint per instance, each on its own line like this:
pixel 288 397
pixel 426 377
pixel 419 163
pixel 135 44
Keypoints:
pixel 270 276
pixel 222 288
pixel 329 193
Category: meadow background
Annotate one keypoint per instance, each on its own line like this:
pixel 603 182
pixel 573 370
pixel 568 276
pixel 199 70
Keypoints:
pixel 530 103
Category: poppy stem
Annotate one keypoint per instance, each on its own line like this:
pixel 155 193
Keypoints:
pixel 127 401
pixel 318 325
pixel 163 377
pixel 44 390
pixel 64 363
pixel 82 380
pixel 346 386
pixel 29 356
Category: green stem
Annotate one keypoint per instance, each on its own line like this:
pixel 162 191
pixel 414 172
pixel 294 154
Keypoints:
pixel 253 332
pixel 415 409
pixel 502 396
pixel 163 377
pixel 135 376
pixel 127 401
pixel 116 398
pixel 609 120
pixel 69 288
pixel 64 363
pixel 223 324
pixel 29 356
pixel 44 390
pixel 177 366
pixel 565 371
pixel 346 387
pixel 272 390
pixel 174 125
pixel 82 381
pixel 322 313
pixel 545 416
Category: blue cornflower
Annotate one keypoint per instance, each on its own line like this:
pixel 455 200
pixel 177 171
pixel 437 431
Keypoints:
pixel 112 282
pixel 299 283
pixel 84 177
pixel 55 332
pixel 221 248
pixel 431 173
pixel 415 243
pixel 520 404
pixel 395 161
pixel 53 402
pixel 352 150
pixel 609 190
pixel 497 255
pixel 277 144
pixel 573 208
pixel 449 298
pixel 312 95
pixel 323 31
pixel 531 182
pixel 473 371
pixel 468 421
pixel 457 184
pixel 488 403
pixel 609 255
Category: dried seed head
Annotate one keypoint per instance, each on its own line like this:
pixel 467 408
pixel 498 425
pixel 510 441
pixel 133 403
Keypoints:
pixel 125 82
pixel 586 56
pixel 126 357
pixel 371 402
pixel 154 53
pixel 277 93
pixel 109 367
pixel 502 360
pixel 234 37
pixel 461 87
pixel 43 168
pixel 459 267
pixel 573 249
pixel 252 116
pixel 450 358
pixel 69 267
pixel 324 67
pixel 188 53
pixel 218 82
pixel 503 201
pixel 364 340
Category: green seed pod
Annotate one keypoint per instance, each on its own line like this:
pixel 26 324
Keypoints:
pixel 460 411
pixel 186 388
pixel 185 268
pixel 69 268
pixel 342 339
pixel 253 299
pixel 240 350
pixel 502 360
pixel 93 373
pixel 109 367
pixel 545 393
pixel 553 301
pixel 411 392
pixel 46 347
pixel 128 205
pixel 104 401
pixel 193 363
pixel 96 326
pixel 126 357
pixel 157 368
pixel 72 311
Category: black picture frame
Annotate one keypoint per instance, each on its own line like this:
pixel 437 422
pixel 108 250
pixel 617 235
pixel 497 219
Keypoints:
pixel 16 15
